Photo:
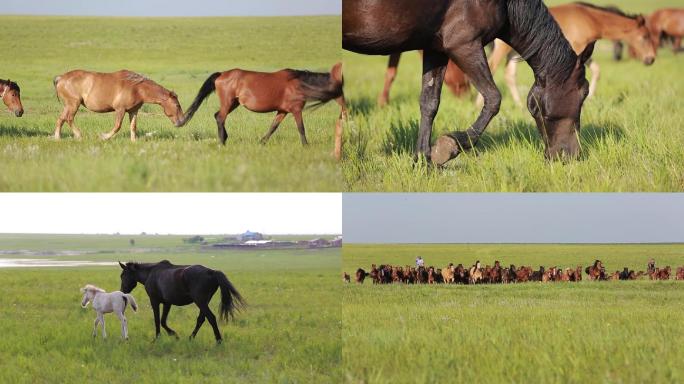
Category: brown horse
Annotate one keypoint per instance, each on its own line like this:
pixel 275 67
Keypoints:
pixel 459 30
pixel 360 276
pixel 594 271
pixel 667 22
pixel 120 92
pixel 283 92
pixel 346 278
pixel 11 96
pixel 583 24
pixel 454 79
pixel 680 273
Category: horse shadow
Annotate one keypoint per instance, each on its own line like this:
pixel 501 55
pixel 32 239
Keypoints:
pixel 16 131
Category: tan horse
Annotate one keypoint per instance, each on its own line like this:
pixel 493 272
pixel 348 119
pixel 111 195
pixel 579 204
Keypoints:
pixel 668 22
pixel 120 92
pixel 11 96
pixel 582 24
pixel 283 92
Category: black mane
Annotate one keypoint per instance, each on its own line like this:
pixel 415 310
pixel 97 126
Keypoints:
pixel 543 40
pixel 12 85
pixel 317 86
pixel 610 9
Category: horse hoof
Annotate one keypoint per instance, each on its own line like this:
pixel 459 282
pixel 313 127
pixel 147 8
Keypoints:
pixel 219 341
pixel 445 149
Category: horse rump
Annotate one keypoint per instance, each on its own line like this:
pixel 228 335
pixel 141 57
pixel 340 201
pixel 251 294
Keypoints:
pixel 231 300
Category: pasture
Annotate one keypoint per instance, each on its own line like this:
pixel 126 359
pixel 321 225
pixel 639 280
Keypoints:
pixel 631 132
pixel 289 333
pixel 179 54
pixel 624 331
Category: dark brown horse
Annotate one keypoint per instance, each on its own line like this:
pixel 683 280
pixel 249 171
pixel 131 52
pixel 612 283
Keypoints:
pixel 454 79
pixel 11 96
pixel 594 271
pixel 283 92
pixel 360 275
pixel 120 92
pixel 667 22
pixel 459 30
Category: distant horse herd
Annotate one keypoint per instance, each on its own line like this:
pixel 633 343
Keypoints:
pixel 497 274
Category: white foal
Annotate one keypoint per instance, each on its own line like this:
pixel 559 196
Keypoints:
pixel 104 302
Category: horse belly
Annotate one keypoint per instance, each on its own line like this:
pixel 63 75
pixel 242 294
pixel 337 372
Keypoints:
pixel 260 100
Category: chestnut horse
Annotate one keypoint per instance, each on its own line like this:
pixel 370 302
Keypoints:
pixel 283 92
pixel 11 96
pixel 594 271
pixel 582 24
pixel 669 22
pixel 459 30
pixel 120 92
pixel 454 79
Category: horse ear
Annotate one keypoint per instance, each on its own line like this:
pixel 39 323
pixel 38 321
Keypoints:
pixel 586 54
pixel 173 94
pixel 336 72
pixel 122 266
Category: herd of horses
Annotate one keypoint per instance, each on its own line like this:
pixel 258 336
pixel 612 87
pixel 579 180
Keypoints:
pixel 556 42
pixel 497 274
pixel 125 92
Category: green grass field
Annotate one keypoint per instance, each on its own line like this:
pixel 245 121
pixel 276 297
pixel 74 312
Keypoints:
pixel 178 53
pixel 611 332
pixel 289 333
pixel 631 132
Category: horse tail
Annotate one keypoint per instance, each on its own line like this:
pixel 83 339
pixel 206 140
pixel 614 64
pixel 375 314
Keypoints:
pixel 231 300
pixel 207 88
pixel 54 82
pixel 129 297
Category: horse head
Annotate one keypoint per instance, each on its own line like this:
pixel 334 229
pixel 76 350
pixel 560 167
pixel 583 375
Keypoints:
pixel 128 277
pixel 11 96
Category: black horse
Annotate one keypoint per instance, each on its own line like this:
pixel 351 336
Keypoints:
pixel 459 30
pixel 170 284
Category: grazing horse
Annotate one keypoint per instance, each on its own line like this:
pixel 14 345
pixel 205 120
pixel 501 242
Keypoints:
pixel 283 92
pixel 454 79
pixel 120 92
pixel 667 22
pixel 11 96
pixel 459 30
pixel 346 278
pixel 583 24
pixel 169 284
pixel 360 276
pixel 104 302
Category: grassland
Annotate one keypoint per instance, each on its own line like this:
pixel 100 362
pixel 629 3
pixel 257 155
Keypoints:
pixel 289 333
pixel 631 132
pixel 178 53
pixel 619 332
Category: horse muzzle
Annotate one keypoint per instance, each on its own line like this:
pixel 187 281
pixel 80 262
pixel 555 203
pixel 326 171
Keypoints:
pixel 649 60
pixel 19 112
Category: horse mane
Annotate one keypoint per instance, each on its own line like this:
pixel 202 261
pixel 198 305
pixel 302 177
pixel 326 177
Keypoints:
pixel 90 287
pixel 609 8
pixel 11 84
pixel 316 86
pixel 532 23
pixel 135 78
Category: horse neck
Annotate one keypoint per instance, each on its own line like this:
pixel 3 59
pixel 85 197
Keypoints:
pixel 610 25
pixel 151 92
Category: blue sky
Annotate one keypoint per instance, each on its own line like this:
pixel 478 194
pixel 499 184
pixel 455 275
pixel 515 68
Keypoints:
pixel 513 218
pixel 171 7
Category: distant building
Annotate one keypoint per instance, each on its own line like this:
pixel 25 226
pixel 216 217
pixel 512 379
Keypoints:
pixel 250 236
pixel 336 242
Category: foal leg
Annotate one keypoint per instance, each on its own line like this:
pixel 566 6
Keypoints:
pixel 97 321
pixel 165 314
pixel 102 321
pixel 390 75
pixel 117 125
pixel 124 325
pixel 200 321
pixel 434 68
pixel 595 74
pixel 276 122
pixel 470 57
pixel 300 125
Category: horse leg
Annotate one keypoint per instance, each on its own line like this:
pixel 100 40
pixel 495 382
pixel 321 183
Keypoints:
pixel 434 68
pixel 200 321
pixel 155 310
pixel 300 125
pixel 102 321
pixel 165 314
pixel 220 117
pixel 339 127
pixel 276 122
pixel 471 58
pixel 677 44
pixel 390 75
pixel 595 74
pixel 68 114
pixel 510 78
pixel 118 119
pixel 204 308
pixel 97 321
pixel 133 117
pixel 124 327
